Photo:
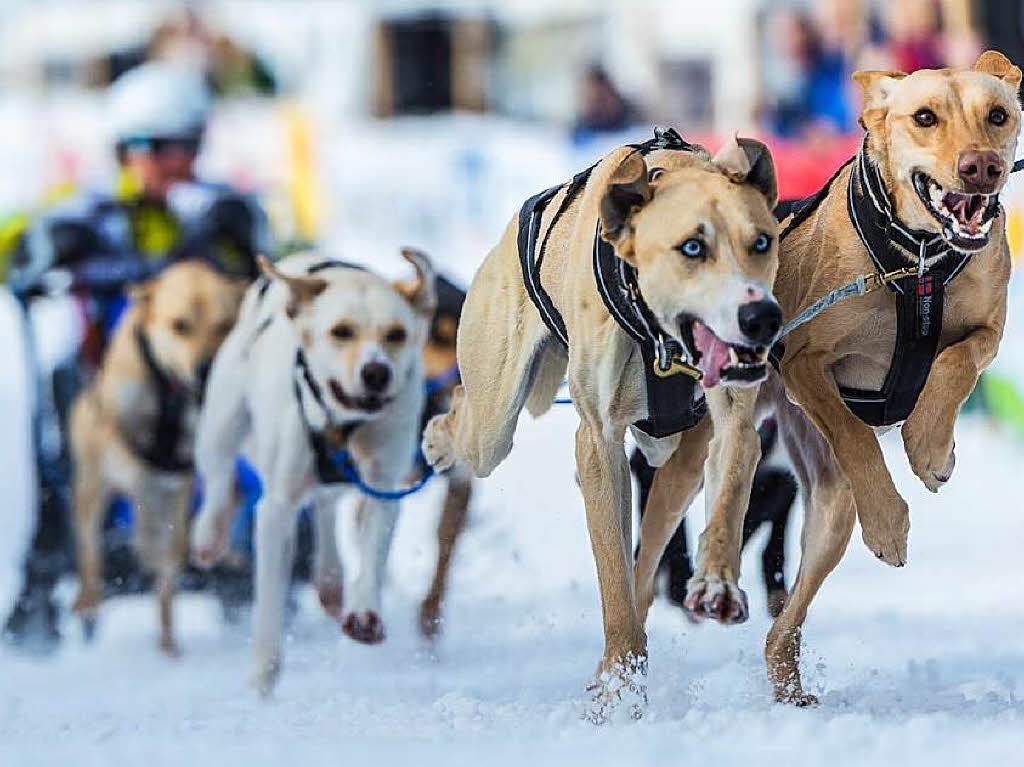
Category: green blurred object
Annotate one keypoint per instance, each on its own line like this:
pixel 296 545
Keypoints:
pixel 998 397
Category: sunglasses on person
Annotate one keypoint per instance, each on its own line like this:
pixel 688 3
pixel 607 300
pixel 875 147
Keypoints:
pixel 159 144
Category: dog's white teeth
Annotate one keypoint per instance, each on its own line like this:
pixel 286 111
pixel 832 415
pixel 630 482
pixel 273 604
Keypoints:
pixel 986 226
pixel 734 358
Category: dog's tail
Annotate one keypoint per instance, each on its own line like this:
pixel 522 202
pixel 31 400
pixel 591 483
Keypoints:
pixel 548 374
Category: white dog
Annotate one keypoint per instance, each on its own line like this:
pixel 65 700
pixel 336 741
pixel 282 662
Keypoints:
pixel 326 359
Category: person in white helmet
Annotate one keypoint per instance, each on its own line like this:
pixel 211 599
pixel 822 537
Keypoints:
pixel 96 244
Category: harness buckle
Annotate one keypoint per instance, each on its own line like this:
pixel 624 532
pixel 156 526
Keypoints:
pixel 675 366
pixel 874 281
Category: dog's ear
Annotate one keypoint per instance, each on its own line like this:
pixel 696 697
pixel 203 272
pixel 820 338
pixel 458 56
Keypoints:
pixel 876 87
pixel 628 191
pixel 996 64
pixel 301 290
pixel 421 292
pixel 748 161
pixel 141 295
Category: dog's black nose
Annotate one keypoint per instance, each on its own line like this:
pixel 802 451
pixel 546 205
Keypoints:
pixel 376 376
pixel 980 171
pixel 760 321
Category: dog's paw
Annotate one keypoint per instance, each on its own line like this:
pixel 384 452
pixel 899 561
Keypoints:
pixel 887 536
pixel 931 451
pixel 364 626
pixel 330 593
pixel 264 674
pixel 796 697
pixel 170 648
pixel 437 443
pixel 430 618
pixel 716 596
pixel 618 691
pixel 87 602
pixel 209 542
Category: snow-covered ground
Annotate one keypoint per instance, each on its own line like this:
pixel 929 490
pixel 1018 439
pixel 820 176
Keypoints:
pixel 923 665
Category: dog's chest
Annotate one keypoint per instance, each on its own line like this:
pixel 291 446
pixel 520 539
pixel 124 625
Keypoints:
pixel 159 430
pixel 867 348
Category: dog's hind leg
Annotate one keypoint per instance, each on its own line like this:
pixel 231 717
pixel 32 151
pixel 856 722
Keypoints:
pixel 770 501
pixel 675 485
pixel 502 350
pixel 453 520
pixel 327 571
pixel 829 513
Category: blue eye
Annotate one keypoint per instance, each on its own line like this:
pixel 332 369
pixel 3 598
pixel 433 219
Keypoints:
pixel 693 248
pixel 762 243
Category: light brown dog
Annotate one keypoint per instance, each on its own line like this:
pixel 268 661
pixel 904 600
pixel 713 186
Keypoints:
pixel 132 428
pixel 700 234
pixel 943 144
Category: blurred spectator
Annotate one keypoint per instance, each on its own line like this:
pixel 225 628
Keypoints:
pixel 184 38
pixel 808 76
pixel 604 109
pixel 1001 26
pixel 913 37
pixel 97 242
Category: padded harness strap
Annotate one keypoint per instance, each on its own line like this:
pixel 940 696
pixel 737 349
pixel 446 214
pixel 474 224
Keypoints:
pixel 670 397
pixel 164 450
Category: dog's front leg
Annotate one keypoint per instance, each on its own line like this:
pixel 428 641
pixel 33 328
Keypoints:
pixel 370 525
pixel 884 515
pixel 928 432
pixel 675 485
pixel 275 552
pixel 327 570
pixel 604 478
pixel 713 591
pixel 178 502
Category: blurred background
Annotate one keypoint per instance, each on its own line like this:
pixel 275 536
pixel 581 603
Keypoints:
pixel 364 125
pixel 453 112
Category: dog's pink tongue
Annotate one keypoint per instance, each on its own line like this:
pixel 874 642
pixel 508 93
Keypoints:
pixel 714 354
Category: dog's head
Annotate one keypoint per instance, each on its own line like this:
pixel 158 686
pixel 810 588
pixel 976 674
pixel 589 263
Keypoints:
pixel 704 242
pixel 186 312
pixel 944 140
pixel 362 336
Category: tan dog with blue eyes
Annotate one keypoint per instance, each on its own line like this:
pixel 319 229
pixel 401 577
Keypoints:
pixel 699 235
pixel 920 204
pixel 132 429
pixel 325 357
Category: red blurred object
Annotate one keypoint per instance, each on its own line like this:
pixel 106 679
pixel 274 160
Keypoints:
pixel 803 166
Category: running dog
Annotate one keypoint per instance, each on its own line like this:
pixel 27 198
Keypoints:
pixel 917 210
pixel 320 381
pixel 441 367
pixel 132 428
pixel 656 259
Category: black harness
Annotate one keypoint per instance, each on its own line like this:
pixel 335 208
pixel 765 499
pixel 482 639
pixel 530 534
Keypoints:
pixel 672 405
pixel 329 444
pixel 920 294
pixel 164 449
